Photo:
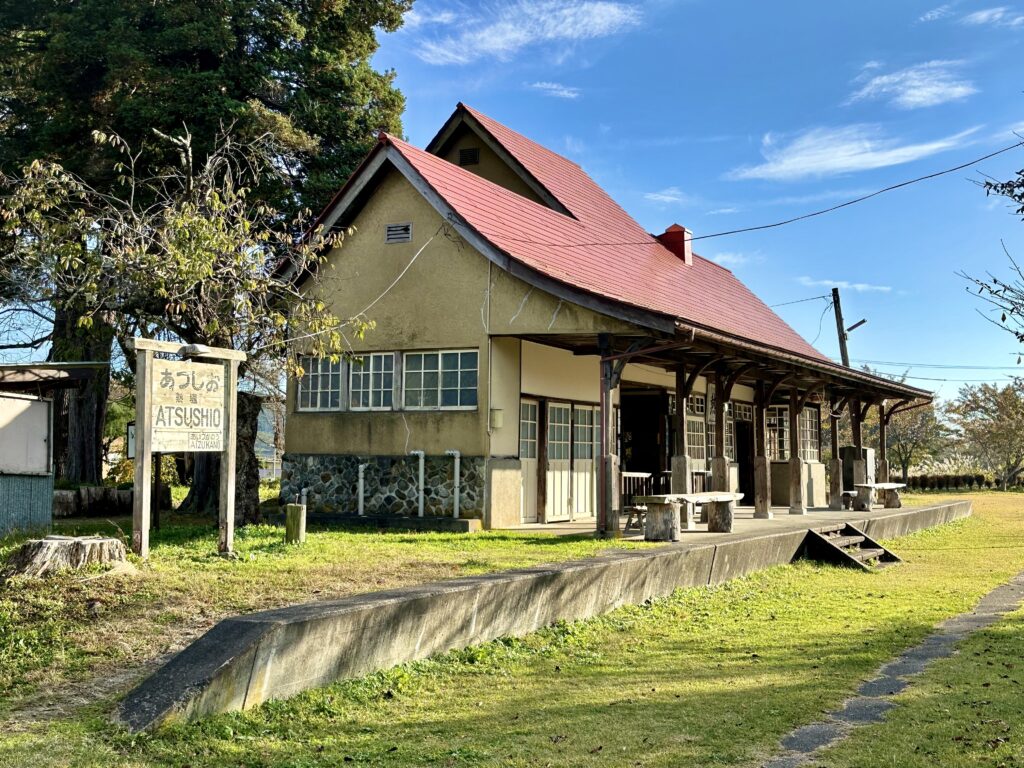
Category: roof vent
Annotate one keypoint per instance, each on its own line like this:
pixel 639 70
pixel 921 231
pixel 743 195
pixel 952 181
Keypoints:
pixel 469 156
pixel 679 240
pixel 398 233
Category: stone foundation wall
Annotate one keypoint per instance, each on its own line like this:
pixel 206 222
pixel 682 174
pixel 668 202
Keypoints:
pixel 390 484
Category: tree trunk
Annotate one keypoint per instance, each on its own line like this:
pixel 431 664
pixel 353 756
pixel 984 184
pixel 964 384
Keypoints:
pixel 80 414
pixel 204 495
pixel 906 472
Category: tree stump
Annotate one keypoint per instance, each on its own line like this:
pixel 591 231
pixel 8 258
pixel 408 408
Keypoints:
pixel 39 557
pixel 720 515
pixel 662 522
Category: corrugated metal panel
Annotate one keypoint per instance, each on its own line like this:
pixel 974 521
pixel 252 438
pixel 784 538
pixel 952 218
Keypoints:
pixel 26 503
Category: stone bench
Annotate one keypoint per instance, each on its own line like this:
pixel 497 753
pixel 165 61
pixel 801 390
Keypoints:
pixel 866 495
pixel 665 517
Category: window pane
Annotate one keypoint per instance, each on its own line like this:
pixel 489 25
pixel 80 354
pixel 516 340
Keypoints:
pixel 450 379
pixel 468 360
pixel 413 362
pixel 468 398
pixel 449 398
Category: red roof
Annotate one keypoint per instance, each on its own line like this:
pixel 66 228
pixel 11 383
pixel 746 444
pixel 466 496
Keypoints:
pixel 602 250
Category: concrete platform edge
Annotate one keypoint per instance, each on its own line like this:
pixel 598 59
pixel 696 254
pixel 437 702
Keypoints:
pixel 246 660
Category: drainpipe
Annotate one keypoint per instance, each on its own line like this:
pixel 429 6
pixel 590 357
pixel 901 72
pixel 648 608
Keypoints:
pixel 421 456
pixel 458 461
pixel 362 471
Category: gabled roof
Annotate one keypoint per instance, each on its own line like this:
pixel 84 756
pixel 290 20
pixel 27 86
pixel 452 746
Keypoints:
pixel 584 248
pixel 600 248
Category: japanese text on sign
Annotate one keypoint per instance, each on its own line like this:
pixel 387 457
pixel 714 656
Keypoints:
pixel 188 407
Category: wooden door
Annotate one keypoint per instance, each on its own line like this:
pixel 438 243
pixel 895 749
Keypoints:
pixel 528 411
pixel 558 482
pixel 585 452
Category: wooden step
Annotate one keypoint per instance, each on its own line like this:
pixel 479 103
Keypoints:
pixel 845 541
pixel 868 553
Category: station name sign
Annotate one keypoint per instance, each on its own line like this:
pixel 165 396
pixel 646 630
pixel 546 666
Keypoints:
pixel 187 407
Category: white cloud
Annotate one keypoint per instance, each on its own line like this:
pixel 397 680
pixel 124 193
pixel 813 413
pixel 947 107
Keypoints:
pixel 845 285
pixel 821 152
pixel 1001 16
pixel 557 90
pixel 670 196
pixel 574 145
pixel 941 12
pixel 723 211
pixel 510 27
pixel 922 85
pixel 730 259
pixel 417 18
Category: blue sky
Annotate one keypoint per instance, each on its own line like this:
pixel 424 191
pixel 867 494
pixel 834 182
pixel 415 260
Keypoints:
pixel 720 115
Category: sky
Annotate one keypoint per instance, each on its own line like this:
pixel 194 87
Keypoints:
pixel 724 115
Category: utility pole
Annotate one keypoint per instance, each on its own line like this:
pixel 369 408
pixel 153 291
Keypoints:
pixel 840 328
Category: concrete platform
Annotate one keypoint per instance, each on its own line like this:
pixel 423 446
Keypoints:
pixel 246 660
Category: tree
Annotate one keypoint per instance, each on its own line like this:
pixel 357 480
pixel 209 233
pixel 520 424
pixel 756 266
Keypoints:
pixel 300 71
pixel 195 259
pixel 914 436
pixel 990 420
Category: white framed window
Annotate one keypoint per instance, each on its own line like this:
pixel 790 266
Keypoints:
pixel 445 379
pixel 583 432
pixel 696 448
pixel 372 382
pixel 527 429
pixel 696 404
pixel 810 431
pixel 778 433
pixel 559 425
pixel 319 388
pixel 743 412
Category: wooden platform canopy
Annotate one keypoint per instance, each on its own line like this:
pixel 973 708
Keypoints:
pixel 776 376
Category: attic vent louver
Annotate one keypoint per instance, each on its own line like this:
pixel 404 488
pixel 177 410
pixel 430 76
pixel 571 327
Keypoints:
pixel 398 233
pixel 469 156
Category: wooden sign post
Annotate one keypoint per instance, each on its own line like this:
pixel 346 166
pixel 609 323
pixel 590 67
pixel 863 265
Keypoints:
pixel 184 406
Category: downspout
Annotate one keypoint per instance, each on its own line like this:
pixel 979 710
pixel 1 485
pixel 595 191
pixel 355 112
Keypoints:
pixel 458 461
pixel 421 456
pixel 362 486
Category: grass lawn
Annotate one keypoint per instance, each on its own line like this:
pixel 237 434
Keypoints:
pixel 72 627
pixel 710 676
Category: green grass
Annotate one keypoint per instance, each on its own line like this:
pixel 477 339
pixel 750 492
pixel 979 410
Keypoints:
pixel 72 625
pixel 710 676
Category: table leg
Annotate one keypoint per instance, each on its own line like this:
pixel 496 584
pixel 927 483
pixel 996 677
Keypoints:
pixel 688 523
pixel 892 499
pixel 720 516
pixel 662 522
pixel 865 496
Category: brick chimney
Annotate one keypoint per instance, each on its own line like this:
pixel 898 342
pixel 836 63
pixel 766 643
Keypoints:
pixel 679 240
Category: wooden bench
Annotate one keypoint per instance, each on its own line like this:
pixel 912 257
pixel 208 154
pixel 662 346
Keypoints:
pixel 634 484
pixel 866 495
pixel 664 518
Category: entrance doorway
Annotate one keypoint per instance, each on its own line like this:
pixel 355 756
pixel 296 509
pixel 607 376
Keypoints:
pixel 647 436
pixel 745 460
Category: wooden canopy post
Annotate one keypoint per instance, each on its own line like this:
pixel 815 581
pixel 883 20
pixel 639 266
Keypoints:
pixel 835 464
pixel 608 508
pixel 860 465
pixel 681 461
pixel 762 467
pixel 883 454
pixel 797 503
pixel 720 463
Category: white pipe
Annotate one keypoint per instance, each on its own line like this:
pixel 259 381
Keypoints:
pixel 458 460
pixel 304 492
pixel 421 456
pixel 362 470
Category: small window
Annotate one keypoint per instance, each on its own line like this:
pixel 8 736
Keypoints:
pixel 372 383
pixel 398 233
pixel 320 386
pixel 810 429
pixel 695 404
pixel 469 156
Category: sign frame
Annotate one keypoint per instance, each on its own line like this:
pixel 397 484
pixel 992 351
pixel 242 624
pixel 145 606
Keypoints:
pixel 145 370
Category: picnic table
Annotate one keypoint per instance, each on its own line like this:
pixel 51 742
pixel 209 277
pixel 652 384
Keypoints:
pixel 866 495
pixel 665 518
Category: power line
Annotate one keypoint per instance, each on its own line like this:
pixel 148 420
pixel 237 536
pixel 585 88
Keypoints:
pixel 800 301
pixel 802 217
pixel 944 366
